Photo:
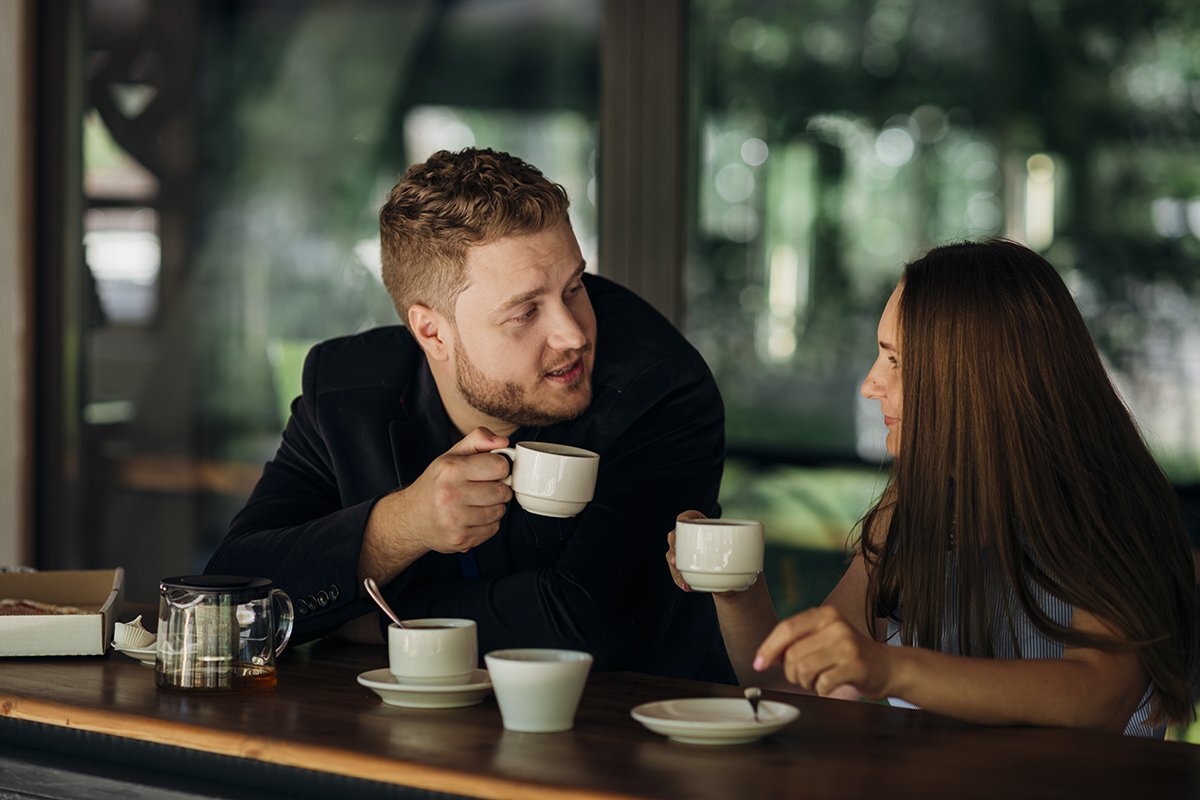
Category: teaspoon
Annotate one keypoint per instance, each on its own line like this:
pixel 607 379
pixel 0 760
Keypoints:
pixel 377 596
pixel 753 694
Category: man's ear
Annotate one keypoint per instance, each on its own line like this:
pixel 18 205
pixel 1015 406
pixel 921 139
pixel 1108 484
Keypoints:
pixel 431 330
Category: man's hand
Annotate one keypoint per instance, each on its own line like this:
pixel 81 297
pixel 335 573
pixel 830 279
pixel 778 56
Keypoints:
pixel 455 505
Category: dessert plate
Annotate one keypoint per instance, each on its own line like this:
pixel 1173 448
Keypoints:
pixel 143 654
pixel 714 720
pixel 383 683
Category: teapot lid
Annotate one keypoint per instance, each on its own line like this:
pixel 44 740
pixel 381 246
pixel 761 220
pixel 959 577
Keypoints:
pixel 239 587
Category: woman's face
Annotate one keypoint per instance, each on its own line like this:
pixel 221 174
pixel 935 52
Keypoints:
pixel 883 381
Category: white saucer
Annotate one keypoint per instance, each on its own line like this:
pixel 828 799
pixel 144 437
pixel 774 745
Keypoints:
pixel 383 683
pixel 143 654
pixel 714 720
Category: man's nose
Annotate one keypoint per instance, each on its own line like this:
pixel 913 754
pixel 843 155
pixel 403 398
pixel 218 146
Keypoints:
pixel 566 333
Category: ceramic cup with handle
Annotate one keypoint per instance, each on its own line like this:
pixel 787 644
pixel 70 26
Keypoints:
pixel 719 555
pixel 538 689
pixel 554 480
pixel 433 651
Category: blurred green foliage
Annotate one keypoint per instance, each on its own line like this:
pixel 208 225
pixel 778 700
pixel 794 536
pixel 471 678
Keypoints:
pixel 838 139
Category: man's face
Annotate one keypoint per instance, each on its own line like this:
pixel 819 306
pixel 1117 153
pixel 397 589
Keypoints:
pixel 525 330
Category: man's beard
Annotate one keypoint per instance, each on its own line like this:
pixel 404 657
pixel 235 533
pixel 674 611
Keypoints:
pixel 505 400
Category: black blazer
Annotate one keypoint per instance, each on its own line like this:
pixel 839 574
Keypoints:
pixel 370 420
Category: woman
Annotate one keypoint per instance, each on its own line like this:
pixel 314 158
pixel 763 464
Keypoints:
pixel 1027 553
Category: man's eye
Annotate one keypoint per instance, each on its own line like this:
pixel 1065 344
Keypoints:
pixel 574 290
pixel 527 315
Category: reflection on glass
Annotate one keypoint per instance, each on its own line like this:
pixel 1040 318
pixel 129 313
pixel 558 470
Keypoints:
pixel 838 140
pixel 236 222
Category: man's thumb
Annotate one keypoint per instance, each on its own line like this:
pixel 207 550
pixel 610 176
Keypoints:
pixel 480 440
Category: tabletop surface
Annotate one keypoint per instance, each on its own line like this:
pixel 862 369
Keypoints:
pixel 320 718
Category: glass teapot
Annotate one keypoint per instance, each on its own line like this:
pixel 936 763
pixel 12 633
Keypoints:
pixel 220 632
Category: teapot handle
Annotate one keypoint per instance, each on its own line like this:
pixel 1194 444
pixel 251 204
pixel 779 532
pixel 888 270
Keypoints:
pixel 284 619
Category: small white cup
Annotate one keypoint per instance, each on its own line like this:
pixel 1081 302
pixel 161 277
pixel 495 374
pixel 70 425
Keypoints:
pixel 719 555
pixel 538 689
pixel 553 480
pixel 434 651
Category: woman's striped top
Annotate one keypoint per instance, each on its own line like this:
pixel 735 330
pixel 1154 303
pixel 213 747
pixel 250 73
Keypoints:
pixel 1029 643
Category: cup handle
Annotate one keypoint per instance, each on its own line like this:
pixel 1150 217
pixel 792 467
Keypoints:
pixel 511 454
pixel 287 616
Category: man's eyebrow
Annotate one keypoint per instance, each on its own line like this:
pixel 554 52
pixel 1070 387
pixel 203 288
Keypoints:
pixel 520 299
pixel 525 297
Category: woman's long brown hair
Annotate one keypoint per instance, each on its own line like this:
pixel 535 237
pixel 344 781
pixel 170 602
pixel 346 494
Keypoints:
pixel 1014 446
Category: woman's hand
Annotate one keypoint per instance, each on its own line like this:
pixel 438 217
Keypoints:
pixel 821 652
pixel 675 576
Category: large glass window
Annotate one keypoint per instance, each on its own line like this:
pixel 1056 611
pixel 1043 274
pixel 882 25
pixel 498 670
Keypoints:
pixel 836 140
pixel 236 158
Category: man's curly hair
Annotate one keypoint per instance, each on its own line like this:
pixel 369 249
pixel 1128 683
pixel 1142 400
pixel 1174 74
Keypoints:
pixel 453 201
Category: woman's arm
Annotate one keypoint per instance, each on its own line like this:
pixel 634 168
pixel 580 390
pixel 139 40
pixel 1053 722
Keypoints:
pixel 821 651
pixel 747 617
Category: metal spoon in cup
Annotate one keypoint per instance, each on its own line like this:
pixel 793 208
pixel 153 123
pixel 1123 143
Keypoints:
pixel 377 596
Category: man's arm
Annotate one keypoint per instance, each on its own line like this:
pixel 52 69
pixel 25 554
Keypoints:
pixel 667 455
pixel 455 505
pixel 295 530
pixel 321 518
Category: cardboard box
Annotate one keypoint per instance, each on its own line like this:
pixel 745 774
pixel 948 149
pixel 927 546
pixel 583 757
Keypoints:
pixel 94 590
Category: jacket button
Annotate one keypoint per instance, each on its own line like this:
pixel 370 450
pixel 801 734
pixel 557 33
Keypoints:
pixel 334 592
pixel 322 598
pixel 302 606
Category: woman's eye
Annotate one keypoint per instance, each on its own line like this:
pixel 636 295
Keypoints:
pixel 894 362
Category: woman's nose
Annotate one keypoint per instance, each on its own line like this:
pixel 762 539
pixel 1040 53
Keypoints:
pixel 870 388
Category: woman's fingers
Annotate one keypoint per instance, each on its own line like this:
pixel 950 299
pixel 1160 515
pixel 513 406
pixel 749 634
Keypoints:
pixel 791 630
pixel 670 556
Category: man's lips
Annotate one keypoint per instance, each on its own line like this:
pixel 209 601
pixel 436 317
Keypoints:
pixel 566 373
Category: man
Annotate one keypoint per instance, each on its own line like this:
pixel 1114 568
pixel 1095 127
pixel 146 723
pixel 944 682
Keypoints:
pixel 385 471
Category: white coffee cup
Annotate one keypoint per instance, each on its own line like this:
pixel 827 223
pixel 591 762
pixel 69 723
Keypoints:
pixel 554 480
pixel 538 689
pixel 434 651
pixel 719 555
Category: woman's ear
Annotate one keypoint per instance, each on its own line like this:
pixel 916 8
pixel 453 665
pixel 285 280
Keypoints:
pixel 432 331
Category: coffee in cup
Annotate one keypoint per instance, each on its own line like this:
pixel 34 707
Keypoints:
pixel 719 555
pixel 553 480
pixel 434 651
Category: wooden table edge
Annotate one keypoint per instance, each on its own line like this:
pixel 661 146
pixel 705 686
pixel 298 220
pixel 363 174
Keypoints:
pixel 288 754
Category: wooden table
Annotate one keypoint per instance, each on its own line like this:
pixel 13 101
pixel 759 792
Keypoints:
pixel 319 719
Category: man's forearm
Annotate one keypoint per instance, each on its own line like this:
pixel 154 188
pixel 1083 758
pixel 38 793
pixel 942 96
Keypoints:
pixel 387 550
